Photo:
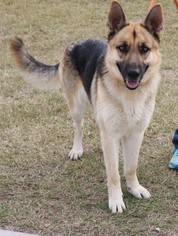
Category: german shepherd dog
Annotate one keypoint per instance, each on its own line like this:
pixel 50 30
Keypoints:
pixel 118 80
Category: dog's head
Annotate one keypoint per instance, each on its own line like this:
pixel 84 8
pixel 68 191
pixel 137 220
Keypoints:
pixel 133 47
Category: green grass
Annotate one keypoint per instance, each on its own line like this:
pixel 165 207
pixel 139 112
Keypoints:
pixel 41 191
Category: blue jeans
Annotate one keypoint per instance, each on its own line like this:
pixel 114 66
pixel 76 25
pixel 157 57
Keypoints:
pixel 175 139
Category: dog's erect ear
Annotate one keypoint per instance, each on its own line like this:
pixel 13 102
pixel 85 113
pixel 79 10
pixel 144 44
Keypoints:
pixel 116 18
pixel 154 21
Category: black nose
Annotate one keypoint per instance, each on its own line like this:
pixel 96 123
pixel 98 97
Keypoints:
pixel 133 73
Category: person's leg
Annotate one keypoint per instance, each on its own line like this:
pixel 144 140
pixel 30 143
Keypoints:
pixel 175 139
pixel 174 160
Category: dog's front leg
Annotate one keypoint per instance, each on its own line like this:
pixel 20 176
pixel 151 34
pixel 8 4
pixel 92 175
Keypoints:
pixel 131 147
pixel 110 150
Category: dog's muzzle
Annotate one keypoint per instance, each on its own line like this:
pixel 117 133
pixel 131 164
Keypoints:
pixel 132 75
pixel 132 78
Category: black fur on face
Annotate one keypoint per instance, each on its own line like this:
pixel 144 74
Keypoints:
pixel 132 73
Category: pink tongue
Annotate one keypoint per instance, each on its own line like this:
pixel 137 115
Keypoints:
pixel 132 84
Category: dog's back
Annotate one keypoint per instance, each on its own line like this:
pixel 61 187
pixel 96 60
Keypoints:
pixel 86 58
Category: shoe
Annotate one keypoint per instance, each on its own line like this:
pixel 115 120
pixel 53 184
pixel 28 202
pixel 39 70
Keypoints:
pixel 173 164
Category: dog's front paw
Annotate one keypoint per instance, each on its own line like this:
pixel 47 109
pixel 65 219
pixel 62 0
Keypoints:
pixel 75 154
pixel 117 205
pixel 139 192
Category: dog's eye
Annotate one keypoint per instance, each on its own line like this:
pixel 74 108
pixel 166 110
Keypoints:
pixel 144 49
pixel 123 48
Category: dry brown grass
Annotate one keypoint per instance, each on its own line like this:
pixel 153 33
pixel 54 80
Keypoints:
pixel 41 191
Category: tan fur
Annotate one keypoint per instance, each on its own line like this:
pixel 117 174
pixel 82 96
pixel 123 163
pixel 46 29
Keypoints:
pixel 121 115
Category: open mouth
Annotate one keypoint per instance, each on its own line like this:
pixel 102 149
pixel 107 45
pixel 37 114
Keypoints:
pixel 131 84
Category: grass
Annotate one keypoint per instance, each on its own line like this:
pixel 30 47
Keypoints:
pixel 41 191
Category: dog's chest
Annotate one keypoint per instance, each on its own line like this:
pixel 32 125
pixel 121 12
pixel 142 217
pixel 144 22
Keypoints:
pixel 121 117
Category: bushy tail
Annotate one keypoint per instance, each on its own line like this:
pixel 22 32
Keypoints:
pixel 34 72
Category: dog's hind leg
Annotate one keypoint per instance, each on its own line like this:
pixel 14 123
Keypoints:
pixel 77 100
pixel 77 148
pixel 77 106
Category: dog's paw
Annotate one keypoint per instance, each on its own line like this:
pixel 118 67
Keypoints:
pixel 139 192
pixel 75 154
pixel 116 205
